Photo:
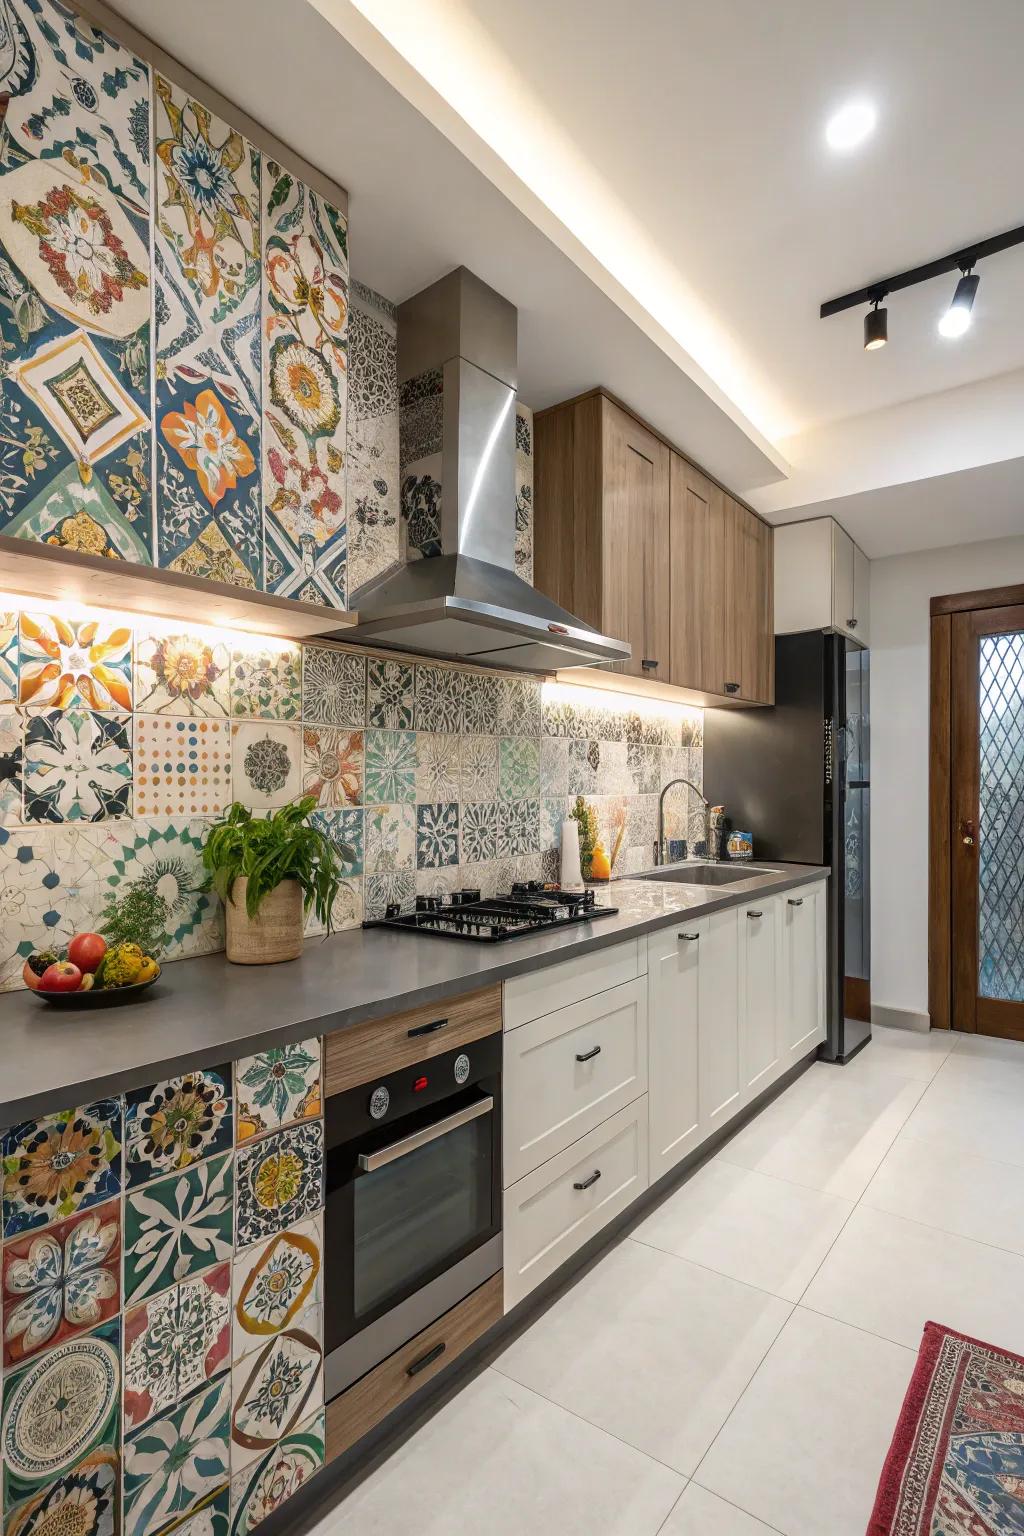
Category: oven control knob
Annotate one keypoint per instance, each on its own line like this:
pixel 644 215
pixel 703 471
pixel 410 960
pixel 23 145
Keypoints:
pixel 379 1101
pixel 461 1068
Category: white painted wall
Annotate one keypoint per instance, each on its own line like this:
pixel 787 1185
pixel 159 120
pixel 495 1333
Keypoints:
pixel 901 588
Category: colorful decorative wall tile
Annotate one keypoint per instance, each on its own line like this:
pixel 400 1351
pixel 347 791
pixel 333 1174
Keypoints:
pixel 332 766
pixel 518 767
pixel 11 767
pixel 305 338
pixel 275 1389
pixel 276 1283
pixel 162 860
pixel 437 835
pixel 85 1499
pixel 77 766
pixel 59 1164
pixel 42 1443
pixel 176 1122
pixel 177 1226
pixel 276 1087
pixel 480 823
pixel 181 673
pixel 345 829
pixel 181 767
pixel 9 622
pixel 176 1461
pixel 279 1181
pixel 481 695
pixel 390 694
pixel 372 439
pixel 439 698
pixel 174 1343
pixel 390 767
pixel 438 766
pixel 333 686
pixel 479 768
pixel 393 887
pixel 421 434
pixel 266 1485
pixel 266 680
pixel 389 838
pixel 519 706
pixel 47 879
pixel 61 1281
pixel 524 492
pixel 267 766
pixel 64 663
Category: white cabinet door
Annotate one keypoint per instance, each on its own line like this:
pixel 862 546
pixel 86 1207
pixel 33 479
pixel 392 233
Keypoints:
pixel 842 580
pixel 566 1072
pixel 674 967
pixel 861 595
pixel 759 1053
pixel 721 1085
pixel 801 971
pixel 802 555
pixel 536 993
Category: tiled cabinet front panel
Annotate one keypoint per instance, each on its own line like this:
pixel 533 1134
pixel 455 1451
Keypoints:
pixel 162 1303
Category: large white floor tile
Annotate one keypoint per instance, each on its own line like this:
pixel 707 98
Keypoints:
pixel 943 1187
pixel 804 1446
pixel 830 1137
pixel 500 1459
pixel 700 1513
pixel 957 1114
pixel 985 1062
pixel 767 1232
pixel 890 1276
pixel 904 1052
pixel 651 1348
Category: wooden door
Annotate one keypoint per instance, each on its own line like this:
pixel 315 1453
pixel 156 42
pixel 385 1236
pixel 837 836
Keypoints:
pixel 635 543
pixel 750 641
pixel 674 964
pixel 987 820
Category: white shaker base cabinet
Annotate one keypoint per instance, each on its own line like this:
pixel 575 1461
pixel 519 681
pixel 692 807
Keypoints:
pixel 759 1035
pixel 721 1084
pixel 802 938
pixel 675 968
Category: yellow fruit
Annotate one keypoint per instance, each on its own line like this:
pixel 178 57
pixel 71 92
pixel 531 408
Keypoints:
pixel 85 985
pixel 148 970
pixel 121 965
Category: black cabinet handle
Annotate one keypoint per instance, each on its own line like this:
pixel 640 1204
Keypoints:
pixel 851 623
pixel 427 1359
pixel 649 665
pixel 589 1055
pixel 732 687
pixel 427 1029
pixel 691 938
pixel 586 1183
pixel 796 901
pixel 755 914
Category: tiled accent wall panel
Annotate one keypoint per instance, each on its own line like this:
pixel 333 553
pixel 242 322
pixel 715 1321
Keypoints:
pixel 161 1259
pixel 524 492
pixel 173 325
pixel 120 740
pixel 373 478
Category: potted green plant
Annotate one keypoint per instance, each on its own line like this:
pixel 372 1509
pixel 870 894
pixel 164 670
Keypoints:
pixel 269 871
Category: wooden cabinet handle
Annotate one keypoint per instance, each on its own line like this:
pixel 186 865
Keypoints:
pixel 427 1359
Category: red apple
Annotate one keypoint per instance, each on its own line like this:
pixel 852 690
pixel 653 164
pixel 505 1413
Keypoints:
pixel 86 950
pixel 62 977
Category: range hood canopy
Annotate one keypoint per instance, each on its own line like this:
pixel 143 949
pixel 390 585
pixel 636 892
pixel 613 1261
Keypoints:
pixel 467 601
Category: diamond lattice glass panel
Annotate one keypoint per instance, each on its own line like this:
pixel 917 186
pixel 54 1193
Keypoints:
pixel 1001 873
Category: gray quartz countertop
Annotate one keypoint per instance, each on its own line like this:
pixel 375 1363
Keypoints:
pixel 205 1012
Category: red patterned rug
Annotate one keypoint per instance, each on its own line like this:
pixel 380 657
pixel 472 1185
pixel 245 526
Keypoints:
pixel 956 1463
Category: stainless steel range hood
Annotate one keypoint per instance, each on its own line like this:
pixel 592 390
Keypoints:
pixel 458 594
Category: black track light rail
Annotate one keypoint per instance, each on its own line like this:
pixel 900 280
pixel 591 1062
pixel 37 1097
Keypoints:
pixel 957 261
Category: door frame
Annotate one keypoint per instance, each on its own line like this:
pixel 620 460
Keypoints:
pixel 940 806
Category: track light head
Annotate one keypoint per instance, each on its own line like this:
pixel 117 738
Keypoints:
pixel 957 318
pixel 876 327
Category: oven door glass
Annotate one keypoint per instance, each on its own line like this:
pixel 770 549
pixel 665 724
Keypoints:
pixel 422 1204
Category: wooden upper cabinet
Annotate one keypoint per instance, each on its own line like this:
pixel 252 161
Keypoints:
pixel 633 539
pixel 635 517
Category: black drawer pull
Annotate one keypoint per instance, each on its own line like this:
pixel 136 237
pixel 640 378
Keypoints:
pixel 732 687
pixel 648 665
pixel 427 1359
pixel 796 901
pixel 755 913
pixel 691 938
pixel 427 1029
pixel 852 623
pixel 589 1055
pixel 586 1183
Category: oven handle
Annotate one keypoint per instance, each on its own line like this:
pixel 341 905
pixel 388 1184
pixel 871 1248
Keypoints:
pixel 369 1162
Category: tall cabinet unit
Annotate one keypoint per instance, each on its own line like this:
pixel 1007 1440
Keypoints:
pixel 633 538
pixel 822 580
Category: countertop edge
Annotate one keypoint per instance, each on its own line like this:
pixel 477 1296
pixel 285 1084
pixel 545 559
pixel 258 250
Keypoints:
pixel 507 964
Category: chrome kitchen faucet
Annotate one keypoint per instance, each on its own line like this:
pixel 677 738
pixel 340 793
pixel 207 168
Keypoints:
pixel 659 852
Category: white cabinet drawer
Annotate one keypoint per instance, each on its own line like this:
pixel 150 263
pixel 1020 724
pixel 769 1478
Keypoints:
pixel 566 1072
pixel 548 1217
pixel 556 986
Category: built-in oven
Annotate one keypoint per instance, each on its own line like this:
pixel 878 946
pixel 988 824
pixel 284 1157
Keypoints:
pixel 413 1206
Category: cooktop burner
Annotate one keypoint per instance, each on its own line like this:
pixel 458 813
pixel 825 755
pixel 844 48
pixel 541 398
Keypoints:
pixel 529 907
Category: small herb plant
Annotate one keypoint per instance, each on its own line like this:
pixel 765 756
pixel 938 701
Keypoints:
pixel 586 817
pixel 269 849
pixel 139 916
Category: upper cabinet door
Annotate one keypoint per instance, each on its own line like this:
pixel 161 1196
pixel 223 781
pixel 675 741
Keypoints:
pixel 861 595
pixel 844 617
pixel 697 564
pixel 636 540
pixel 750 650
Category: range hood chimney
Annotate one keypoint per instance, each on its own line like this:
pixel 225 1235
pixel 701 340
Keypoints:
pixel 459 595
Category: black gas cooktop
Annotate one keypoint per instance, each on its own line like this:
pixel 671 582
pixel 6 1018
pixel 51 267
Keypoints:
pixel 529 907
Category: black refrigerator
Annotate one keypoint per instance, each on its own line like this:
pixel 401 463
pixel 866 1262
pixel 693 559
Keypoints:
pixel 798 777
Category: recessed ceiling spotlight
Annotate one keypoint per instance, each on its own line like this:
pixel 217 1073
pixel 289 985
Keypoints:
pixel 851 125
pixel 876 328
pixel 957 318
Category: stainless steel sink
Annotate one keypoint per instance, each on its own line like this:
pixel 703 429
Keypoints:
pixel 704 874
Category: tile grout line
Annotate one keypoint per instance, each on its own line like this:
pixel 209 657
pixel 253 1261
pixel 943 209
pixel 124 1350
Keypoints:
pixel 733 1505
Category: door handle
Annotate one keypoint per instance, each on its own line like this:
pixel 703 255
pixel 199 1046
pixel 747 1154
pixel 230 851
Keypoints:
pixel 427 1359
pixel 369 1162
pixel 649 664
pixel 691 938
pixel 586 1183
pixel 796 901
pixel 426 1029
pixel 967 833
pixel 755 913
pixel 589 1055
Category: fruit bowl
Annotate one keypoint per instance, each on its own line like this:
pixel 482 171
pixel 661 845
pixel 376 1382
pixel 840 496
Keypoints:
pixel 95 997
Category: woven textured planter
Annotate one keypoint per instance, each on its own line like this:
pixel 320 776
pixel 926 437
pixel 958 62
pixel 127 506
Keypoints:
pixel 274 934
